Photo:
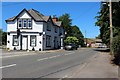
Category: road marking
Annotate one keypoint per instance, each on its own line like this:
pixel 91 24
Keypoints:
pixel 48 58
pixel 54 56
pixel 15 55
pixel 69 53
pixel 42 59
pixel 8 66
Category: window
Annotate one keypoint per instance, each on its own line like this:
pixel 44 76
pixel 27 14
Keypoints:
pixel 29 23
pixel 20 23
pixel 48 41
pixel 56 29
pixel 48 26
pixel 33 40
pixel 60 31
pixel 15 40
pixel 24 23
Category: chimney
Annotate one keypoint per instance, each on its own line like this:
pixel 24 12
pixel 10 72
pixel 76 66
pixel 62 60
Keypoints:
pixel 55 19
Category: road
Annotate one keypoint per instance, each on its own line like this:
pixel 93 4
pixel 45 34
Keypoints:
pixel 48 65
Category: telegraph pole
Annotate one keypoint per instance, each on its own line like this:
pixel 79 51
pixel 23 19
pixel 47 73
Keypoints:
pixel 111 27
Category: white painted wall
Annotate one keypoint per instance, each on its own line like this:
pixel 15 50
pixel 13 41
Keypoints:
pixel 24 15
pixel 38 39
pixel 12 26
pixel 36 27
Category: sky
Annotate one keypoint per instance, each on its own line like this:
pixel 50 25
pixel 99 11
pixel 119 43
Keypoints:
pixel 82 13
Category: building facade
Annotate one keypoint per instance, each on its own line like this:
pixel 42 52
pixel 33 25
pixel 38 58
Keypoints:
pixel 31 30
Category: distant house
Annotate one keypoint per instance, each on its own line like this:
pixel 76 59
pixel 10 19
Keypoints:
pixel 31 30
pixel 92 42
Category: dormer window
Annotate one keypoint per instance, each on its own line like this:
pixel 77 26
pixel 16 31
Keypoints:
pixel 29 23
pixel 20 23
pixel 25 23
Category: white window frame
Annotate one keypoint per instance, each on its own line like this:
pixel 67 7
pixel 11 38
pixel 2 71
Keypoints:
pixel 24 23
pixel 29 23
pixel 15 40
pixel 33 40
pixel 20 23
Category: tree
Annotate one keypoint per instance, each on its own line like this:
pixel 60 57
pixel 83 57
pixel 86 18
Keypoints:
pixel 103 23
pixel 0 37
pixel 4 38
pixel 75 31
pixel 116 49
pixel 65 18
pixel 71 30
pixel 71 40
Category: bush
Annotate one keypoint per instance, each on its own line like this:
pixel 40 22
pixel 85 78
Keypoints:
pixel 116 49
pixel 71 40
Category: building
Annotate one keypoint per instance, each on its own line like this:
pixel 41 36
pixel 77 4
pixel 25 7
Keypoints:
pixel 95 43
pixel 31 30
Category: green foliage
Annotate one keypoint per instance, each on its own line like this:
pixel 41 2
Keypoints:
pixel 103 23
pixel 116 49
pixel 71 39
pixel 71 30
pixel 3 37
pixel 0 37
pixel 66 21
pixel 75 31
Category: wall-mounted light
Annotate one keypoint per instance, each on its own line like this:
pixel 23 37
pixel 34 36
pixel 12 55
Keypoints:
pixel 8 33
pixel 40 42
pixel 8 41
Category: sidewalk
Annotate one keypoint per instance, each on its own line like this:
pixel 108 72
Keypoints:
pixel 97 67
pixel 6 53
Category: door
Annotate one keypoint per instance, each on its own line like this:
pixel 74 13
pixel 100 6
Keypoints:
pixel 24 43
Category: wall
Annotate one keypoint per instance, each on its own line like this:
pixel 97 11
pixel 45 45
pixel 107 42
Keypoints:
pixel 36 27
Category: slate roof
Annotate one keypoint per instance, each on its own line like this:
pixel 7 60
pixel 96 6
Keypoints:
pixel 36 15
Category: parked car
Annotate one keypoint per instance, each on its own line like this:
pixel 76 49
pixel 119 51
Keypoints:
pixel 71 46
pixel 102 46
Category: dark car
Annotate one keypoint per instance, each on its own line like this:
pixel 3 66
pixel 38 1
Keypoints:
pixel 71 46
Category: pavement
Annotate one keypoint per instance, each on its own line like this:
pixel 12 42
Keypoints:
pixel 99 66
pixel 13 53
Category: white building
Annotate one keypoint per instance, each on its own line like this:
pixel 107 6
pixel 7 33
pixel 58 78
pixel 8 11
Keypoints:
pixel 31 30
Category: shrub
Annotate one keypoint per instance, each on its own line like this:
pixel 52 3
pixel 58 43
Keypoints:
pixel 71 40
pixel 116 49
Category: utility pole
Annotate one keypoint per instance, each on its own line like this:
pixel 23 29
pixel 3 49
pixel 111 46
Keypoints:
pixel 111 28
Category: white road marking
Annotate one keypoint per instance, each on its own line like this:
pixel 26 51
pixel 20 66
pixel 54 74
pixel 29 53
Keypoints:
pixel 42 59
pixel 8 66
pixel 15 55
pixel 69 53
pixel 54 56
pixel 48 58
